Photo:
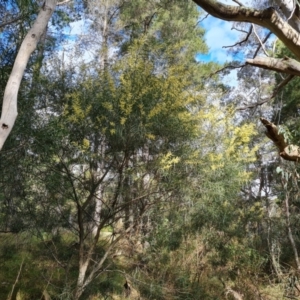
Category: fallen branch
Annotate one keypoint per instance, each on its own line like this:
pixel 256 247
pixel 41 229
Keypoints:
pixel 235 294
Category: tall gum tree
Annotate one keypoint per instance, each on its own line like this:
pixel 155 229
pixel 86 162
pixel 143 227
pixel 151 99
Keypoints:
pixel 282 20
pixel 9 107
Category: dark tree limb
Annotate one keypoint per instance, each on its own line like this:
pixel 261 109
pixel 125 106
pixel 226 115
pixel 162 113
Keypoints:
pixel 244 40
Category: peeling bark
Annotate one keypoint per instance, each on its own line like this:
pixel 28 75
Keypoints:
pixel 286 151
pixel 9 106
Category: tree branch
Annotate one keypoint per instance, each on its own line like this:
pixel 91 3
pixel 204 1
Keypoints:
pixel 285 65
pixel 256 104
pixel 264 41
pixel 244 40
pixel 260 42
pixel 268 18
pixel 282 84
pixel 286 151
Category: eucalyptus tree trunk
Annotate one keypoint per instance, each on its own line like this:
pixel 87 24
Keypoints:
pixel 9 106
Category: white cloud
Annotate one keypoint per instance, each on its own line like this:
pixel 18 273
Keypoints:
pixel 218 34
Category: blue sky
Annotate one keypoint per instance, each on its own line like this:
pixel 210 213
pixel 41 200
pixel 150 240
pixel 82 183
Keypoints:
pixel 219 34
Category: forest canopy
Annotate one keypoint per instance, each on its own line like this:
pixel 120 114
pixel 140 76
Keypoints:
pixel 130 169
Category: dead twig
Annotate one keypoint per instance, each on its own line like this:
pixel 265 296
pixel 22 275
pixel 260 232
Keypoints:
pixel 260 42
pixel 263 42
pixel 201 20
pixel 244 40
pixel 226 67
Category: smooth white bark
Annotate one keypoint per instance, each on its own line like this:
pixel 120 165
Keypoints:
pixel 9 106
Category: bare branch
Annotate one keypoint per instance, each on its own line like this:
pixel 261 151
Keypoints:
pixel 260 42
pixel 238 29
pixel 201 20
pixel 256 104
pixel 244 40
pixel 64 2
pixel 285 65
pixel 226 67
pixel 16 281
pixel 238 2
pixel 263 42
pixel 293 11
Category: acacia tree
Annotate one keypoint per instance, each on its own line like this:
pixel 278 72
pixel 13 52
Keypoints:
pixel 282 20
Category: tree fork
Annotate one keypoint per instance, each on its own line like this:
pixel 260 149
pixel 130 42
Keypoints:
pixel 29 44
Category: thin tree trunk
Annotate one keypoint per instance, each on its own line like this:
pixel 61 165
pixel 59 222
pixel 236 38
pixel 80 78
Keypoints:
pixel 83 265
pixel 16 281
pixel 9 106
pixel 273 243
pixel 98 207
pixel 289 229
pixel 104 65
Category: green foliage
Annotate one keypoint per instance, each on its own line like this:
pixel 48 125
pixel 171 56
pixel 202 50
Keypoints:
pixel 144 134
